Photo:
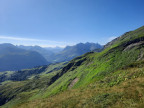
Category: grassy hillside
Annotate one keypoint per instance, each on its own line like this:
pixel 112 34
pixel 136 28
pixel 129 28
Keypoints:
pixel 96 66
pixel 122 89
pixel 111 78
pixel 27 82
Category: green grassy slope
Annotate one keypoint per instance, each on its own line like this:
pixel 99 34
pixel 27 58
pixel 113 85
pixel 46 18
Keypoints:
pixel 122 89
pixel 111 78
pixel 21 85
pixel 96 66
pixel 29 73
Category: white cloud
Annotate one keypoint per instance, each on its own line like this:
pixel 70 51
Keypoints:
pixel 27 39
pixel 31 41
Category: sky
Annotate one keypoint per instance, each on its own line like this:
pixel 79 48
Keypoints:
pixel 51 23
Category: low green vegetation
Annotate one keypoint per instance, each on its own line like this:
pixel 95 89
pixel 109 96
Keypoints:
pixel 32 81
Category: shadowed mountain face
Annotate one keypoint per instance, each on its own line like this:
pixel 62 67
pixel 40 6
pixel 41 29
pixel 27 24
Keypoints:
pixel 13 58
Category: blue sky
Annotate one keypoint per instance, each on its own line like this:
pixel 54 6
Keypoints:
pixel 67 22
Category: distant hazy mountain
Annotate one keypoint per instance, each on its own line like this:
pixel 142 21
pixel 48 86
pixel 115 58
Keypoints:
pixel 58 54
pixel 47 52
pixel 55 49
pixel 71 52
pixel 14 58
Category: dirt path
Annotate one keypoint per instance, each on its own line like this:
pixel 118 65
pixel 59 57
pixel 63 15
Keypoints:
pixel 73 82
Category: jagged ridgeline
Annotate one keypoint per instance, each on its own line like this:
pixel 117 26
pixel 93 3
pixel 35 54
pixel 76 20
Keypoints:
pixel 113 77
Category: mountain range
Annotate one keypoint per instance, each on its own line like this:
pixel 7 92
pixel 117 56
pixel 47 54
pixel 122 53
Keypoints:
pixel 14 58
pixel 112 78
pixel 43 51
pixel 58 54
pixel 70 52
